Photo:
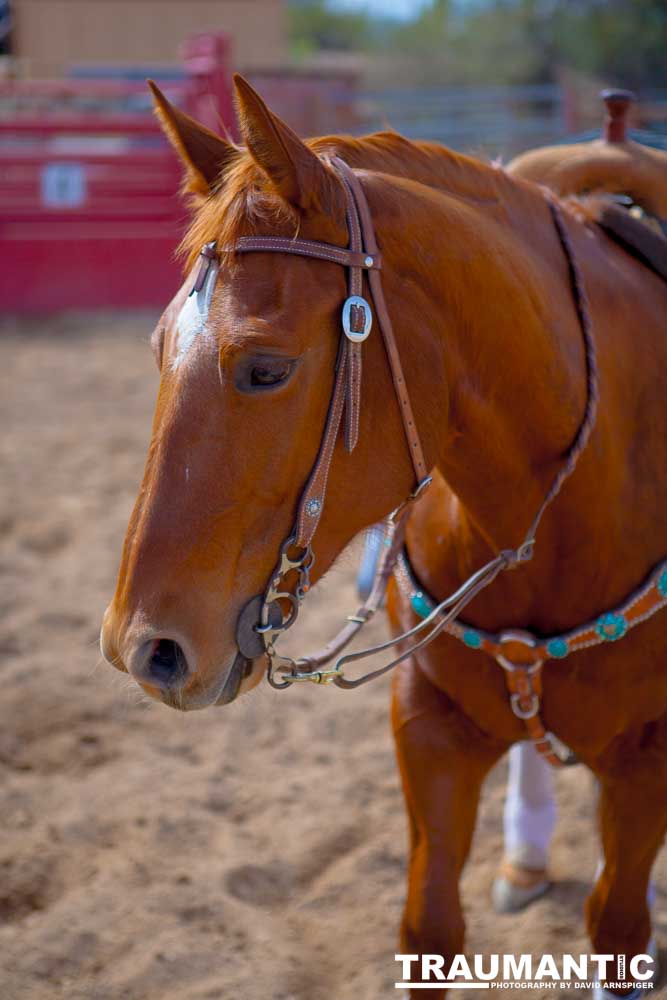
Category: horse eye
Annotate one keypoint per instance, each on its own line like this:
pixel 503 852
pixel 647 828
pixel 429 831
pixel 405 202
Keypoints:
pixel 270 372
pixel 263 372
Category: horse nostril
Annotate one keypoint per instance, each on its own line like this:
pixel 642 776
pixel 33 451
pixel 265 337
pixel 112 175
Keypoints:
pixel 166 666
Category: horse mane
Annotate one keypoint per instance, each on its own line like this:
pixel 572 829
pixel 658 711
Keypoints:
pixel 245 198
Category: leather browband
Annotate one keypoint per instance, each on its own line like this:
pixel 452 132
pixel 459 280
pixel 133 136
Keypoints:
pixel 309 248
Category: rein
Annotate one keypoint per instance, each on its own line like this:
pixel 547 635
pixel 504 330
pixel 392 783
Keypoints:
pixel 265 617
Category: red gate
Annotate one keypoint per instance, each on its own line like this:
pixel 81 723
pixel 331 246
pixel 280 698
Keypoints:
pixel 89 206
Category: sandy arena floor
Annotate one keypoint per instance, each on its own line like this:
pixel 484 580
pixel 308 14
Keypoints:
pixel 250 853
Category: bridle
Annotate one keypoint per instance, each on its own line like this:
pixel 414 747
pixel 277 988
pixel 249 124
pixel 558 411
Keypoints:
pixel 265 617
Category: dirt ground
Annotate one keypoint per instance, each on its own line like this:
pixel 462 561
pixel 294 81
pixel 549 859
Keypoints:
pixel 255 852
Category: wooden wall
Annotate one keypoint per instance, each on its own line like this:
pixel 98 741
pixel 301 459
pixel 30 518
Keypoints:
pixel 52 34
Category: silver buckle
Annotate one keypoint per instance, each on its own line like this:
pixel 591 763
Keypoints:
pixel 356 302
pixel 530 642
pixel 523 639
pixel 521 713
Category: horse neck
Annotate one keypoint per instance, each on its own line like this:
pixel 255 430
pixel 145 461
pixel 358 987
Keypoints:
pixel 501 306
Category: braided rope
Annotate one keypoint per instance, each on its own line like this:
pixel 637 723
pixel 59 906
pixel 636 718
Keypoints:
pixel 582 307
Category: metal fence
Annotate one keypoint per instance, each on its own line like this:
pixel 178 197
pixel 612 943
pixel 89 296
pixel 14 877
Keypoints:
pixel 489 120
pixel 499 121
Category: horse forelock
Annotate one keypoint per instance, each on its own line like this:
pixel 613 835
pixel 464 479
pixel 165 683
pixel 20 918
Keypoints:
pixel 242 199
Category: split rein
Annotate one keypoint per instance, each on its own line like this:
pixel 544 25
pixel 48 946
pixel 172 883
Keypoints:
pixel 265 617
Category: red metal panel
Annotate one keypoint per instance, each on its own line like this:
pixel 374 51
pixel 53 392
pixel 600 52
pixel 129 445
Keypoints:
pixel 114 248
pixel 76 122
pixel 89 209
pixel 86 267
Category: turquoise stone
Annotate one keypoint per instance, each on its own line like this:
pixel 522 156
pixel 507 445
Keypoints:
pixel 611 626
pixel 557 648
pixel 662 583
pixel 471 638
pixel 420 605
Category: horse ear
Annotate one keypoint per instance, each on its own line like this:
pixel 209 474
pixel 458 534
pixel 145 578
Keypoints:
pixel 295 171
pixel 204 153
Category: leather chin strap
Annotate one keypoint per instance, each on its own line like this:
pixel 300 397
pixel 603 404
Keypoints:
pixel 265 617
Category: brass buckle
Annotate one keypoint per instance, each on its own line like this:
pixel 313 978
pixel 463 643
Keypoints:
pixel 290 674
pixel 314 676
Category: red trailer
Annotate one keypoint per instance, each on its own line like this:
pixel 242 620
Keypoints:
pixel 89 208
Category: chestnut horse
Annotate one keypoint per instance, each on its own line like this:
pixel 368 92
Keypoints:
pixel 480 295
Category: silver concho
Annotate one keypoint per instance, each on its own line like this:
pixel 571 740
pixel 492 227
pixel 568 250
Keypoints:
pixel 313 507
pixel 353 308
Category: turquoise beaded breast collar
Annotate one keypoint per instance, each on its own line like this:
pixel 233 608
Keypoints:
pixel 607 627
pixel 521 654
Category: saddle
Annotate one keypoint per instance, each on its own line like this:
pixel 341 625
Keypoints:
pixel 622 183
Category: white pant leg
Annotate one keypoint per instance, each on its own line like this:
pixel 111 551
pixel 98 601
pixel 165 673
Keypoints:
pixel 530 809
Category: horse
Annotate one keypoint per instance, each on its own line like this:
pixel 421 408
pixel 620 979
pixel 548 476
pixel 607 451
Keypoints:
pixel 489 285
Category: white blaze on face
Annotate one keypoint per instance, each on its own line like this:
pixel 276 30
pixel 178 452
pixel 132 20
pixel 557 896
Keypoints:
pixel 193 317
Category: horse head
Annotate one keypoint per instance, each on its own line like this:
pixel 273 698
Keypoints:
pixel 247 355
